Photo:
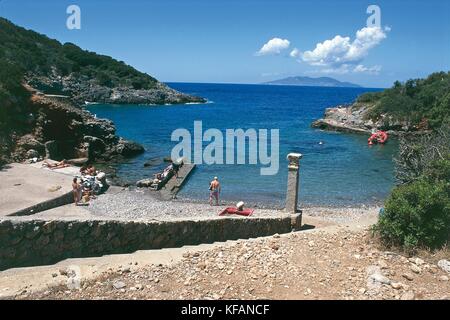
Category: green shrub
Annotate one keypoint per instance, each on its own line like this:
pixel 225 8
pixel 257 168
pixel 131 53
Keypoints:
pixel 416 101
pixel 369 97
pixel 423 156
pixel 439 170
pixel 416 215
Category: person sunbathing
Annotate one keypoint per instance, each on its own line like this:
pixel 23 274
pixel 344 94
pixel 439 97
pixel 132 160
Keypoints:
pixel 88 171
pixel 91 170
pixel 158 176
pixel 83 170
pixel 56 165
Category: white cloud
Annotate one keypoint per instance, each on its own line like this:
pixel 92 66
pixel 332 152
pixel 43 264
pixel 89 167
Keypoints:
pixel 295 53
pixel 348 68
pixel 341 50
pixel 273 46
pixel 271 74
pixel 328 52
pixel 342 69
pixel 370 70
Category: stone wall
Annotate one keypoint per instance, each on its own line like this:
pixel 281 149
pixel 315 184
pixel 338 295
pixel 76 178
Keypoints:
pixel 46 205
pixel 25 242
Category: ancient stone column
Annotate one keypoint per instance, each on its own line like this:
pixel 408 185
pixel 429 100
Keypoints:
pixel 292 183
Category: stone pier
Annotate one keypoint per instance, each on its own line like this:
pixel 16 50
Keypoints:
pixel 293 182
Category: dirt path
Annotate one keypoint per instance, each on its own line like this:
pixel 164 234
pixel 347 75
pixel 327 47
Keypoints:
pixel 336 262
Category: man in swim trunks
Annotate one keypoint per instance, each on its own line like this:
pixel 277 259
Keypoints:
pixel 214 190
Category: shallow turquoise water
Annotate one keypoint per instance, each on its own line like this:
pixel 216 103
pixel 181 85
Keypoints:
pixel 342 171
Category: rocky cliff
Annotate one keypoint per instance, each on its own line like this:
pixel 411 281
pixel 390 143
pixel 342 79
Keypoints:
pixel 65 69
pixel 43 85
pixel 357 118
pixel 82 89
pixel 345 118
pixel 57 129
pixel 415 106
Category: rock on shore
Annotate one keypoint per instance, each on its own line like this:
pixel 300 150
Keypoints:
pixel 344 118
pixel 58 129
pixel 356 118
pixel 82 89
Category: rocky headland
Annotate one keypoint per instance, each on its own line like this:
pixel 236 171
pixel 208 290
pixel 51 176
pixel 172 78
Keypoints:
pixel 343 118
pixel 356 118
pixel 58 129
pixel 82 90
pixel 416 106
pixel 44 85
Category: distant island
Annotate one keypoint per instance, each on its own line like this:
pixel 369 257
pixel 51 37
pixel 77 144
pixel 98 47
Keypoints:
pixel 312 82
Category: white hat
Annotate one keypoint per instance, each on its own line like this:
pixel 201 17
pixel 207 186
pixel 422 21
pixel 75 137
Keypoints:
pixel 215 178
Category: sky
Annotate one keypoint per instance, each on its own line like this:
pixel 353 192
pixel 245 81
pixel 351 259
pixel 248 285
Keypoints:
pixel 254 41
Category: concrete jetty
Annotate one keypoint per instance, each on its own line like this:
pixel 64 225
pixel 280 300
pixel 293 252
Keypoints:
pixel 174 185
pixel 24 186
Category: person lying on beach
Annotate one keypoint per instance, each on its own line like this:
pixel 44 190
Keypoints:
pixel 57 165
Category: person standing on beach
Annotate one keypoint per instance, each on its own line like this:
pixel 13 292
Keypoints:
pixel 76 189
pixel 214 190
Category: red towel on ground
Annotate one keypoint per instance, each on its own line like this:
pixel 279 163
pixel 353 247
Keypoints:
pixel 231 210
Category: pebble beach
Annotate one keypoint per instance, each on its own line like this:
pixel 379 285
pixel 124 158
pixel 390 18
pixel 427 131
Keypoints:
pixel 142 204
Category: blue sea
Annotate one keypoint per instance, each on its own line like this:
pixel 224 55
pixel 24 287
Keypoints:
pixel 343 171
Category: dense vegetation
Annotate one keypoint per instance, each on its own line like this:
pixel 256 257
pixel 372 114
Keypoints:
pixel 425 103
pixel 13 98
pixel 417 213
pixel 33 53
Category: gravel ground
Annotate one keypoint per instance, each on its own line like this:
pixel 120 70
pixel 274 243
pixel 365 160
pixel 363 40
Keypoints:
pixel 140 204
pixel 342 214
pixel 321 265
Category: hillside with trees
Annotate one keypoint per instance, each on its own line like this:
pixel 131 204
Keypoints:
pixel 422 102
pixel 35 124
pixel 54 68
pixel 419 105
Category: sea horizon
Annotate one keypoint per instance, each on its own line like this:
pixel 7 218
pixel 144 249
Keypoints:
pixel 265 84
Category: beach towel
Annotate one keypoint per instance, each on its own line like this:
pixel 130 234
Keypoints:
pixel 231 210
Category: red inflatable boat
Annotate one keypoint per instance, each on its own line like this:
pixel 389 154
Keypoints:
pixel 378 137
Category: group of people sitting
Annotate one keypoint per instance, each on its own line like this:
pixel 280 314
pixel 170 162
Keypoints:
pixel 86 185
pixel 88 170
pixel 89 184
